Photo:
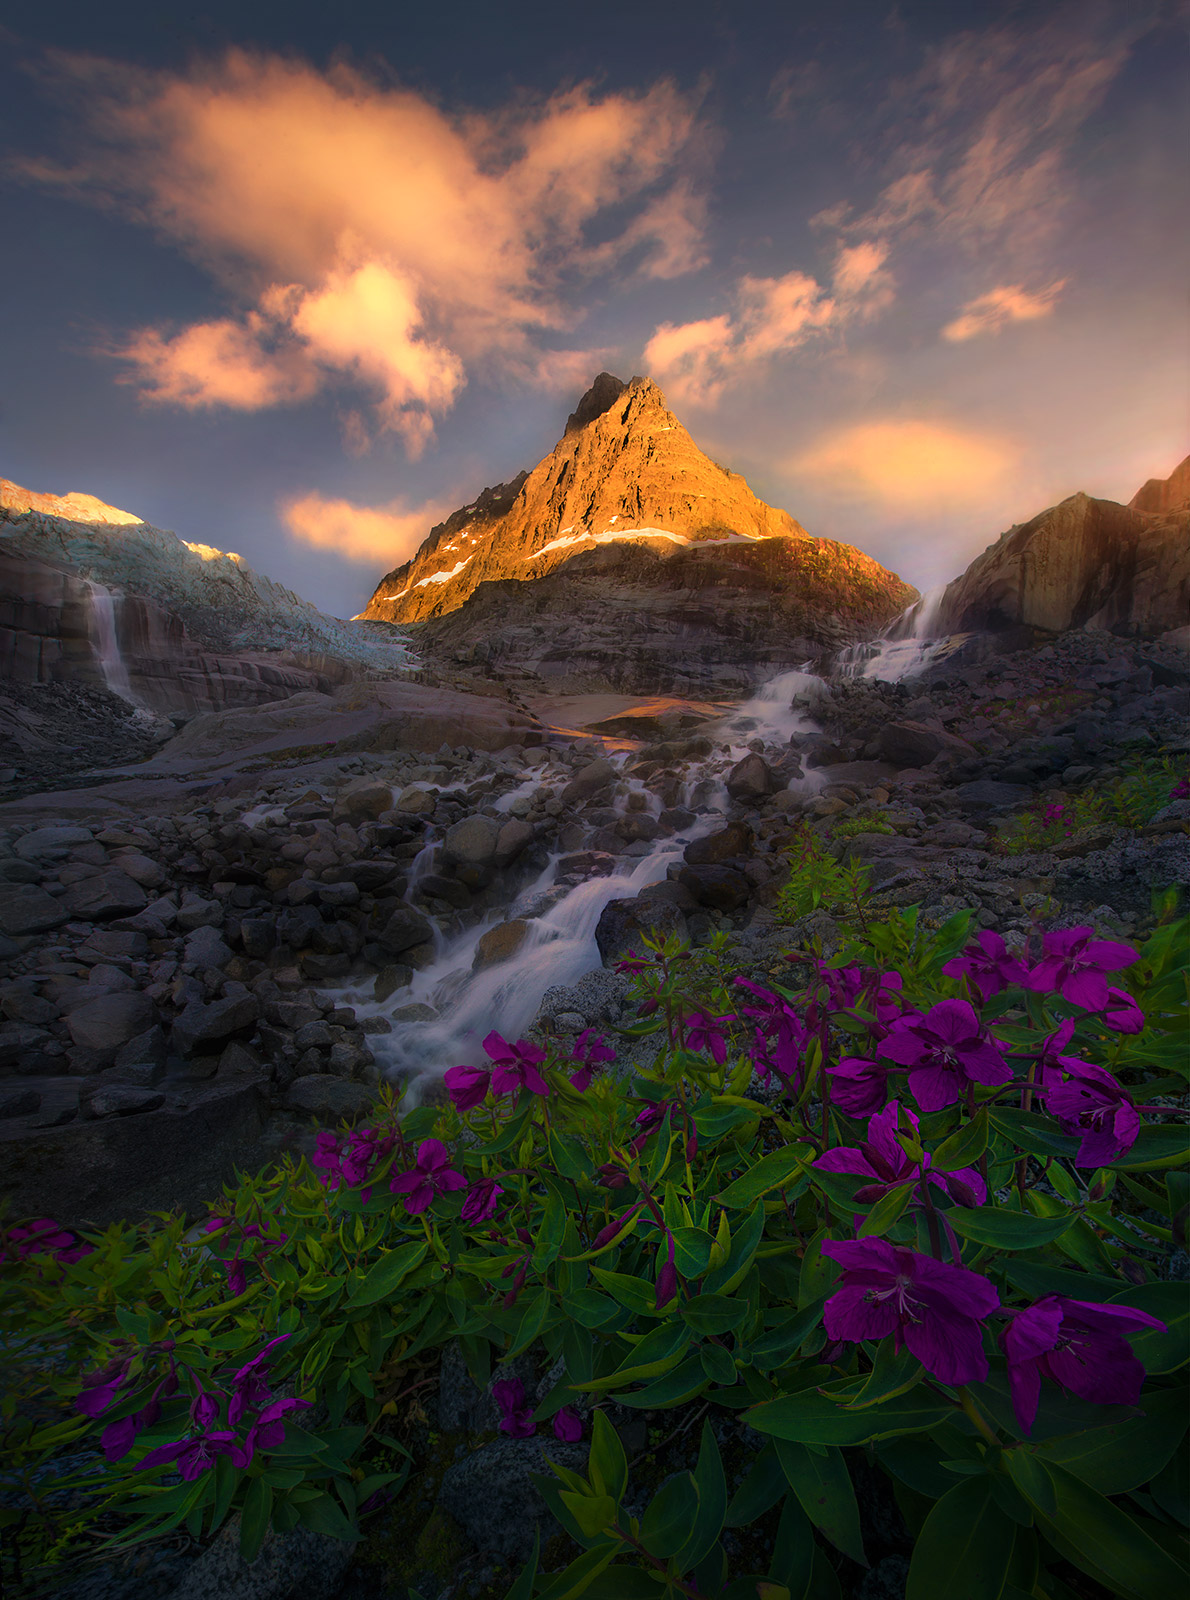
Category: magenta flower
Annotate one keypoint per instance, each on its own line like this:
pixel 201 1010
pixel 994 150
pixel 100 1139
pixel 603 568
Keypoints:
pixel 590 1051
pixel 432 1175
pixel 987 965
pixel 1122 1012
pixel 268 1431
pixel 101 1387
pixel 516 1417
pixel 1072 964
pixel 932 1308
pixel 946 1051
pixel 467 1086
pixel 248 1385
pixel 515 1066
pixel 780 1035
pixel 1052 1061
pixel 45 1237
pixel 1097 1108
pixel 667 1277
pixel 568 1425
pixel 481 1201
pixel 882 1158
pixel 196 1454
pixel 707 1032
pixel 858 1088
pixel 1077 1344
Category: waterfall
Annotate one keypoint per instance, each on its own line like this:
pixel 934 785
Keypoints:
pixel 101 629
pixel 908 647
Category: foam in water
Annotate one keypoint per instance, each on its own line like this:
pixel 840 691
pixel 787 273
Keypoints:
pixel 101 626
pixel 908 648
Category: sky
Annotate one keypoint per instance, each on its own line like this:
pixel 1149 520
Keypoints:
pixel 297 280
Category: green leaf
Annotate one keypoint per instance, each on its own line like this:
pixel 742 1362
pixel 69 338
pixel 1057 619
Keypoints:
pixel 778 1345
pixel 893 1373
pixel 254 1518
pixel 1124 1455
pixel 1007 1230
pixel 715 1120
pixel 670 1515
pixel 594 1513
pixel 592 1309
pixel 678 1386
pixel 964 1549
pixel 522 1589
pixel 607 1464
pixel 744 1240
pixel 381 1280
pixel 534 1318
pixel 1038 1278
pixel 325 1515
pixel 714 1313
pixel 1157 1351
pixel 622 1583
pixel 1155 1146
pixel 712 1502
pixel 1093 1533
pixel 692 1249
pixel 964 1147
pixel 770 1172
pixel 549 1233
pixel 823 1486
pixel 718 1364
pixel 633 1293
pixel 1031 1131
pixel 885 1212
pixel 794 1551
pixel 761 1489
pixel 658 1352
pixel 813 1418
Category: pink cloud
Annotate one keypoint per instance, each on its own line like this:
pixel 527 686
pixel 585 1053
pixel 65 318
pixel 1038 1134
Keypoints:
pixel 991 312
pixel 369 534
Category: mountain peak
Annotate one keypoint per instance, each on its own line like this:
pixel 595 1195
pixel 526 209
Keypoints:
pixel 627 472
pixel 1161 495
pixel 72 507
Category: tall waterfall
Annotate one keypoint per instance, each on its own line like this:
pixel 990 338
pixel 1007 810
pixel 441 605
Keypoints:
pixel 909 646
pixel 101 629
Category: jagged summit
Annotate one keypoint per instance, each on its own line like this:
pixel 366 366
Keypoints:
pixel 75 507
pixel 624 470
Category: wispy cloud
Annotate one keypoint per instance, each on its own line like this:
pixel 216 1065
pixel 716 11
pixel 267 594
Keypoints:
pixel 372 241
pixel 370 534
pixel 990 312
pixel 904 465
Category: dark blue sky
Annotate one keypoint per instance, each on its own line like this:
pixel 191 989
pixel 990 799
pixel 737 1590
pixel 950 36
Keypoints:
pixel 917 271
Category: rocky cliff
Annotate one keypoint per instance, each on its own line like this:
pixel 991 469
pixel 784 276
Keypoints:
pixel 1085 564
pixel 624 472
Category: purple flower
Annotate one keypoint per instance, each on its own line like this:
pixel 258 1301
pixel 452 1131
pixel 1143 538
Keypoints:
pixel 118 1438
pixel 1122 1012
pixel 780 1035
pixel 706 1032
pixel 929 1306
pixel 568 1425
pixel 268 1431
pixel 858 1088
pixel 516 1418
pixel 946 1052
pixel 1052 1061
pixel 1096 1107
pixel 101 1387
pixel 987 965
pixel 1072 964
pixel 481 1201
pixel 1078 1344
pixel 467 1086
pixel 883 1159
pixel 432 1175
pixel 44 1236
pixel 515 1066
pixel 248 1385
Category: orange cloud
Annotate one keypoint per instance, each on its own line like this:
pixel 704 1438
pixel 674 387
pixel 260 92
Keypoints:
pixel 907 466
pixel 996 309
pixel 387 534
pixel 371 237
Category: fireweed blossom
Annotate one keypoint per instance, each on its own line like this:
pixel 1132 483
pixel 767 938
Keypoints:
pixel 568 1425
pixel 1122 1012
pixel 44 1237
pixel 707 1032
pixel 481 1202
pixel 1073 963
pixel 1093 1106
pixel 248 1385
pixel 947 1052
pixel 514 1067
pixel 933 1309
pixel 987 965
pixel 882 1159
pixel 780 1035
pixel 1079 1345
pixel 589 1052
pixel 858 1088
pixel 516 1417
pixel 432 1175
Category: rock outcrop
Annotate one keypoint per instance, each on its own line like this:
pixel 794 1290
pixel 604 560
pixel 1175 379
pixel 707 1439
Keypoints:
pixel 1085 564
pixel 625 471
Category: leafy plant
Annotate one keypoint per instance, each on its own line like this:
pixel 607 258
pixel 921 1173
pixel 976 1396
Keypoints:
pixel 1133 800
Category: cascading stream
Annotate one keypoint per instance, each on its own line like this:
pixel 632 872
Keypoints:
pixel 101 628
pixel 559 946
pixel 910 645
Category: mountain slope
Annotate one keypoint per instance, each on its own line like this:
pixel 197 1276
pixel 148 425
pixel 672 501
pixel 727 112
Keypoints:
pixel 625 470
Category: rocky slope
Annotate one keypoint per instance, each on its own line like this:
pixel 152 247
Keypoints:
pixel 624 470
pixel 1085 564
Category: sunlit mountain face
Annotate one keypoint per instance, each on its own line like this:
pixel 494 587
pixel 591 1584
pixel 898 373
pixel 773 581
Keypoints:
pixel 302 285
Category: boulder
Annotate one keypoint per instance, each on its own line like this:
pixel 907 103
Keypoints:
pixel 514 837
pixel 718 888
pixel 364 800
pixel 111 1021
pixel 25 909
pixel 588 781
pixel 123 1100
pixel 50 842
pixel 416 800
pixel 368 876
pixel 500 943
pixel 405 929
pixel 201 1024
pixel 623 924
pixel 100 899
pixel 911 744
pixel 490 1494
pixel 727 844
pixel 986 794
pixel 331 1099
pixel 752 779
pixel 197 912
pixel 471 842
pixel 141 869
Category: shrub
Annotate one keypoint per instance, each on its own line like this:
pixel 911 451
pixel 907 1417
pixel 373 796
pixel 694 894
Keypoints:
pixel 1130 802
pixel 914 1207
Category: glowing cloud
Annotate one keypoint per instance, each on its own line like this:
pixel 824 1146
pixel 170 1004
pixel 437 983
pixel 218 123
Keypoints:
pixel 389 534
pixel 995 310
pixel 371 239
pixel 907 466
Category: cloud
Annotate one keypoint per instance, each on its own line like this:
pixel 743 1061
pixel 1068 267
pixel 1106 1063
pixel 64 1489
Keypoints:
pixel 371 240
pixel 386 534
pixel 697 361
pixel 904 466
pixel 990 312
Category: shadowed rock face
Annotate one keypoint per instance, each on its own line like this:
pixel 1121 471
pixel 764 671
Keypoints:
pixel 625 471
pixel 1085 563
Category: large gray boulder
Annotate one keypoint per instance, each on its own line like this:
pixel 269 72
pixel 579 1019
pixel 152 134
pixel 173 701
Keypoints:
pixel 588 781
pixel 406 928
pixel 109 894
pixel 50 842
pixel 330 1099
pixel 201 1025
pixel 490 1493
pixel 111 1021
pixel 472 842
pixel 25 909
pixel 727 844
pixel 752 779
